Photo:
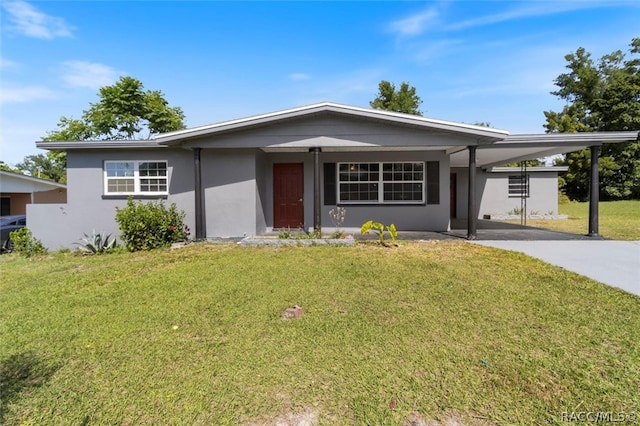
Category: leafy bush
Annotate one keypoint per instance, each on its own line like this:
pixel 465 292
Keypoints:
pixel 151 225
pixel 338 234
pixel 96 243
pixel 25 244
pixel 379 229
pixel 285 234
pixel 563 198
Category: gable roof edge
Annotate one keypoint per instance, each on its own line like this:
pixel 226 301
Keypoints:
pixel 401 118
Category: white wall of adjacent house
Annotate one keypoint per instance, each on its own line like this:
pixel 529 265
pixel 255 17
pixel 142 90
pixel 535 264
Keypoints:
pixel 497 199
pixel 535 191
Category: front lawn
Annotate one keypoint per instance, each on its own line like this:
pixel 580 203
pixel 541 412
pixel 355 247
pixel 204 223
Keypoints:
pixel 619 220
pixel 443 331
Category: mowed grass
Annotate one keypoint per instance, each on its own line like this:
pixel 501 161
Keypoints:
pixel 619 220
pixel 425 331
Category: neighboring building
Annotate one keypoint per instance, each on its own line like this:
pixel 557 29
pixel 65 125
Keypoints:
pixel 17 191
pixel 289 168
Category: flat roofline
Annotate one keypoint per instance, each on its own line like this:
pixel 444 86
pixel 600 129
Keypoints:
pixel 555 169
pixel 112 144
pixel 592 138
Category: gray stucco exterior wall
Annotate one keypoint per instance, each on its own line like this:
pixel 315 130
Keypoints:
pixel 63 225
pixel 238 193
pixel 230 192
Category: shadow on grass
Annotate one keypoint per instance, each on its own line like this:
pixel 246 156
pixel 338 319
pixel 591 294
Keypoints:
pixel 19 373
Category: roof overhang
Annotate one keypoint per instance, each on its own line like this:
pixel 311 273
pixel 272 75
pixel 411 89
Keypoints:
pixel 495 147
pixel 516 148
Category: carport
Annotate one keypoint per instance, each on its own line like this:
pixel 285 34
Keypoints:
pixel 516 148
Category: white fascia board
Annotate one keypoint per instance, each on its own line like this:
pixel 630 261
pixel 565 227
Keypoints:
pixel 590 138
pixel 556 169
pixel 483 133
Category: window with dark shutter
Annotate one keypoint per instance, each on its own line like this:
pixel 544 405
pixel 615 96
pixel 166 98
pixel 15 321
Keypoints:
pixel 329 184
pixel 433 182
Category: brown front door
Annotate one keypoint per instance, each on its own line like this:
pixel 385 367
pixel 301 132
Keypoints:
pixel 453 189
pixel 288 193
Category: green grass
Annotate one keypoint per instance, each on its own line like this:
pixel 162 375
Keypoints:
pixel 431 331
pixel 619 220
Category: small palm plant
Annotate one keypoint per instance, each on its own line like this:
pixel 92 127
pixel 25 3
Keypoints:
pixel 379 229
pixel 96 243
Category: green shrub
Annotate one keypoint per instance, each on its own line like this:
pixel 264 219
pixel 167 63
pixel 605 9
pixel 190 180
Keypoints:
pixel 563 198
pixel 299 234
pixel 285 234
pixel 25 244
pixel 151 225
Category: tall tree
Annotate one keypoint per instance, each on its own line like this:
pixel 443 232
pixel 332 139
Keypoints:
pixel 404 99
pixel 51 166
pixel 601 96
pixel 124 111
pixel 7 168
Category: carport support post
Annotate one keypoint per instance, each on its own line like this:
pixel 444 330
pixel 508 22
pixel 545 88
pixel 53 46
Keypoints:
pixel 472 218
pixel 594 193
pixel 200 226
pixel 317 220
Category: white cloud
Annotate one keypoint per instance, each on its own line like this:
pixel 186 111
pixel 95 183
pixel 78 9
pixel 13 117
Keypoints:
pixel 25 94
pixel 88 74
pixel 530 10
pixel 299 76
pixel 29 21
pixel 6 64
pixel 415 24
pixel 435 48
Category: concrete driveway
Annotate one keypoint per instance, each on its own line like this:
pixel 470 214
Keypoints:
pixel 616 263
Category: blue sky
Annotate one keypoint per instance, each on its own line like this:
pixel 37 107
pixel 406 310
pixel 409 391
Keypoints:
pixel 471 61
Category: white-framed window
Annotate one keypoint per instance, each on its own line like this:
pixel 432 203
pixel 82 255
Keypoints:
pixel 135 178
pixel 381 183
pixel 519 186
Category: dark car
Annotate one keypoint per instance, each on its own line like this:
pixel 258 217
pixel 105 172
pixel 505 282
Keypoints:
pixel 9 224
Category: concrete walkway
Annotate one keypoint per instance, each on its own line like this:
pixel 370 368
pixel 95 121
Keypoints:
pixel 616 263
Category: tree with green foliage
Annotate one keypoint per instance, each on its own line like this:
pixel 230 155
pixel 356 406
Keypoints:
pixel 602 96
pixel 7 168
pixel 51 166
pixel 125 111
pixel 527 163
pixel 403 99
